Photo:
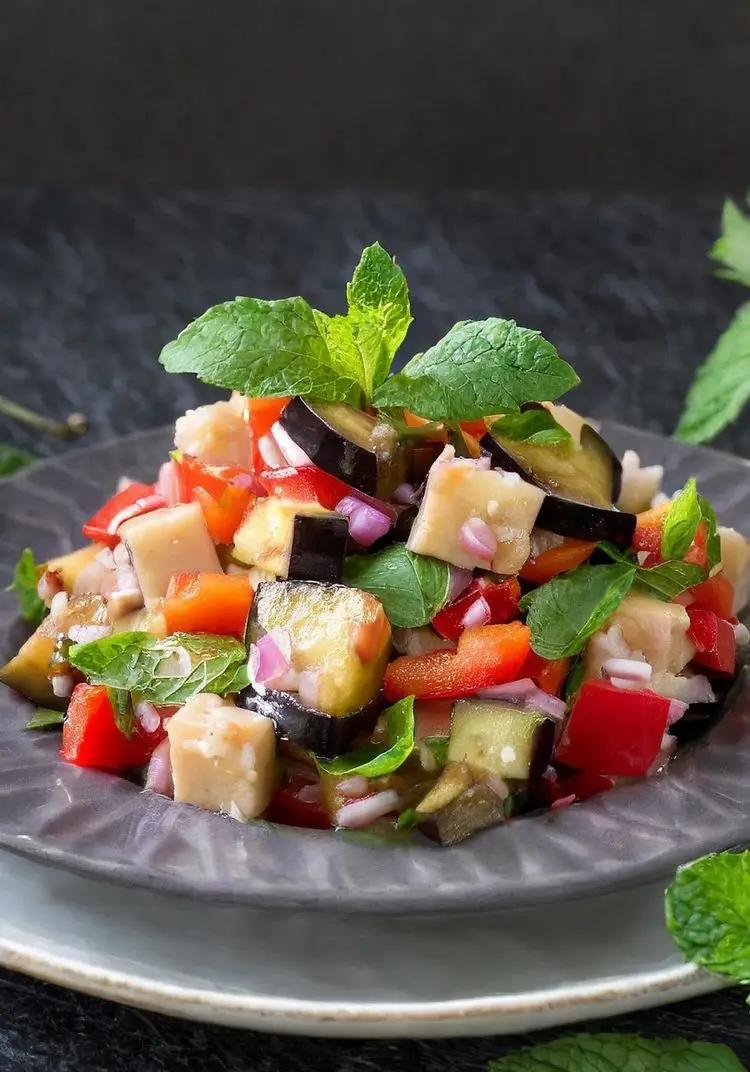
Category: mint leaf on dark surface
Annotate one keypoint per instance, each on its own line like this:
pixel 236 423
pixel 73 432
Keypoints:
pixel 620 1053
pixel 24 584
pixel 722 384
pixel 13 459
pixel 732 249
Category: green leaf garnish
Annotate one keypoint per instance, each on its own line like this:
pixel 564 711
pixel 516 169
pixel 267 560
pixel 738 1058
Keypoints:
pixel 664 581
pixel 24 584
pixel 713 540
pixel 708 913
pixel 620 1053
pixel 143 663
pixel 479 368
pixel 373 761
pixel 722 384
pixel 13 459
pixel 566 611
pixel 681 522
pixel 378 299
pixel 412 588
pixel 44 717
pixel 408 819
pixel 732 249
pixel 536 426
pixel 122 705
pixel 438 749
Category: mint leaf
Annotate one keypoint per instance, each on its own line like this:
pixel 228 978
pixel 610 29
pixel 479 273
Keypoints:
pixel 620 1053
pixel 45 717
pixel 24 584
pixel 438 749
pixel 12 459
pixel 713 540
pixel 378 297
pixel 412 588
pixel 262 348
pixel 669 579
pixel 681 522
pixel 708 913
pixel 373 761
pixel 566 611
pixel 732 249
pixel 479 368
pixel 122 705
pixel 152 667
pixel 533 426
pixel 721 386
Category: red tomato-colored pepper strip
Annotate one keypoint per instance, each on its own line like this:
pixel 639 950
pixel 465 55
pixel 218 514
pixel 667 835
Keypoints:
pixel 286 808
pixel 208 603
pixel 91 737
pixel 224 493
pixel 486 655
pixel 305 483
pixel 566 556
pixel 714 641
pixel 502 606
pixel 261 414
pixel 716 594
pixel 130 502
pixel 547 674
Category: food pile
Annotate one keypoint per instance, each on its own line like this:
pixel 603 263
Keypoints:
pixel 431 599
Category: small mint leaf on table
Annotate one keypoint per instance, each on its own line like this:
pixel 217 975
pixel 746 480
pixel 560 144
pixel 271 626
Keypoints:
pixel 13 459
pixel 620 1053
pixel 24 584
pixel 480 367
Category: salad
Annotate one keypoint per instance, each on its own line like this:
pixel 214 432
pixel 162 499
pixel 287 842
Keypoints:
pixel 351 598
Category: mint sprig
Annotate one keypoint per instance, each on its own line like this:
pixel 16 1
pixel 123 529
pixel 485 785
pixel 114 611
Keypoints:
pixel 24 584
pixel 412 588
pixel 732 248
pixel 373 761
pixel 620 1053
pixel 536 426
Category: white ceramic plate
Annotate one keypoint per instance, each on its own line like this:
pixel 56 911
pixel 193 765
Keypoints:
pixel 348 976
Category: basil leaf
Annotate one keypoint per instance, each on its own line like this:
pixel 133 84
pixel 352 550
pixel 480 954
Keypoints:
pixel 708 913
pixel 533 426
pixel 721 386
pixel 122 705
pixel 479 368
pixel 262 348
pixel 143 663
pixel 13 458
pixel 681 522
pixel 373 761
pixel 620 1053
pixel 566 611
pixel 669 579
pixel 24 584
pixel 45 717
pixel 412 588
pixel 732 249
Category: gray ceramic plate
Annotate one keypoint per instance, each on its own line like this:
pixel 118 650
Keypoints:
pixel 98 824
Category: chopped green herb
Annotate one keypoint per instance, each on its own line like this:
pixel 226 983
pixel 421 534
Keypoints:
pixel 620 1053
pixel 24 584
pixel 12 459
pixel 438 749
pixel 412 588
pixel 533 426
pixel 664 581
pixel 373 761
pixel 44 717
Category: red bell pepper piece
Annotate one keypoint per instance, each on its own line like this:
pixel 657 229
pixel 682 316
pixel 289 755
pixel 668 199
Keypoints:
pixel 556 560
pixel 547 674
pixel 287 809
pixel 261 414
pixel 132 501
pixel 501 599
pixel 305 483
pixel 92 738
pixel 224 493
pixel 716 594
pixel 557 785
pixel 208 603
pixel 714 641
pixel 613 731
pixel 486 655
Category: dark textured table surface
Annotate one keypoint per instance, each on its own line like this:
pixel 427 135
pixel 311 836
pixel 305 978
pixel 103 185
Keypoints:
pixel 91 286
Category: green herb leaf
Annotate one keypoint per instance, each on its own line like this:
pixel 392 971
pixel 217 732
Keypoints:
pixel 44 717
pixel 408 819
pixel 681 522
pixel 412 588
pixel 24 583
pixel 669 579
pixel 566 611
pixel 378 300
pixel 264 349
pixel 438 749
pixel 574 680
pixel 620 1053
pixel 721 386
pixel 479 368
pixel 142 663
pixel 732 249
pixel 533 426
pixel 122 705
pixel 708 913
pixel 13 458
pixel 373 761
pixel 713 540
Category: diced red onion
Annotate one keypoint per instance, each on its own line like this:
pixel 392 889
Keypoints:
pixel 62 685
pixel 308 687
pixel 477 539
pixel 362 812
pixel 511 690
pixel 168 483
pixel 85 634
pixel 404 494
pixel 141 506
pixel 353 787
pixel 310 794
pixel 148 716
pixel 563 802
pixel 459 581
pixel 677 709
pixel 270 452
pixel 544 701
pixel 628 669
pixel 741 635
pixel 159 772
pixel 270 658
pixel 50 585
pixel 479 613
pixel 366 524
pixel 58 604
pixel 294 454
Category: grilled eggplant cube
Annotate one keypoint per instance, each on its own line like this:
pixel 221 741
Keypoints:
pixel 318 548
pixel 348 443
pixel 266 537
pixel 497 739
pixel 475 809
pixel 340 638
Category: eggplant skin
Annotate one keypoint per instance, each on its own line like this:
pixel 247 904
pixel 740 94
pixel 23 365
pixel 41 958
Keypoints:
pixel 325 735
pixel 580 521
pixel 330 449
pixel 477 808
pixel 319 546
